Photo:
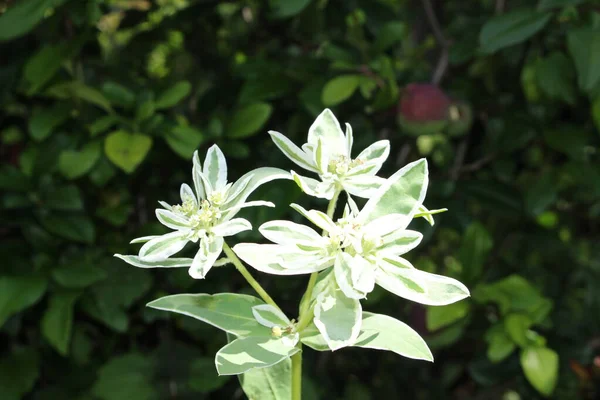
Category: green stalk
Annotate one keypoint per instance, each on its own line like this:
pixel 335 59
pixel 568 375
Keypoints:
pixel 249 278
pixel 307 314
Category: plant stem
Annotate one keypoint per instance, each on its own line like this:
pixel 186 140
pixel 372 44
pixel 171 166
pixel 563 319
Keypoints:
pixel 249 278
pixel 306 316
pixel 297 375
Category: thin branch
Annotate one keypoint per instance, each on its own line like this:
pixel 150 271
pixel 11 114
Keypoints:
pixel 458 161
pixel 442 64
pixel 500 5
pixel 477 165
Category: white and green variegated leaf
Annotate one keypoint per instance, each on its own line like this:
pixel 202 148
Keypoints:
pixel 270 383
pixel 345 268
pixel 379 332
pixel 171 219
pixel 250 182
pixel 318 218
pixel 349 140
pixel 384 225
pixel 428 214
pixel 168 263
pixel 376 153
pixel 309 186
pixel 269 316
pixel 419 286
pixel 206 257
pixel 231 227
pixel 327 128
pixel 229 312
pixel 338 318
pixel 289 233
pixel 215 168
pixel 402 193
pixel 144 239
pixel 268 258
pixel 197 177
pixel 321 159
pixel 293 152
pixel 186 193
pixel 244 354
pixel 399 242
pixel 364 186
pixel 163 246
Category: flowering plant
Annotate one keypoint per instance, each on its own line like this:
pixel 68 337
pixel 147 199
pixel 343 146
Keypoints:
pixel 362 248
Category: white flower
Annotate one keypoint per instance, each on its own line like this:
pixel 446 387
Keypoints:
pixel 363 247
pixel 204 217
pixel 328 153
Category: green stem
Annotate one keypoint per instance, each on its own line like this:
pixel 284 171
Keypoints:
pixel 249 278
pixel 297 375
pixel 306 316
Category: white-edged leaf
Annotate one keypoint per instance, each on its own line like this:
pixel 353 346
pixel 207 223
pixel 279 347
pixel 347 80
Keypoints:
pixel 230 312
pixel 168 263
pixel 338 318
pixel 343 269
pixel 269 316
pixel 289 233
pixel 402 193
pixel 309 186
pixel 385 225
pixel 266 258
pixel 197 177
pixel 419 286
pixel 144 239
pixel 293 152
pixel 186 193
pixel 399 242
pixel 321 159
pixel 364 186
pixel 163 246
pixel 349 140
pixel 379 332
pixel 247 353
pixel 318 218
pixel 376 153
pixel 328 128
pixel 215 168
pixel 206 256
pixel 232 227
pixel 255 203
pixel 171 219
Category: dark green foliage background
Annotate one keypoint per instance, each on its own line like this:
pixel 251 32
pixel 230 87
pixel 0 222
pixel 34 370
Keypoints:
pixel 102 103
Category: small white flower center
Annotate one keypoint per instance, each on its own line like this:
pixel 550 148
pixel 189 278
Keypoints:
pixel 342 164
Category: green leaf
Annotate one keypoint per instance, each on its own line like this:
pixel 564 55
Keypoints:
pixel 204 377
pixel 19 293
pixel 18 373
pixel 227 311
pixel 44 121
pixel 389 34
pixel 500 345
pixel 549 4
pixel 556 77
pixel 43 65
pixel 516 326
pixel 246 353
pixel 65 198
pixel 127 150
pixel 584 46
pixel 74 164
pixel 270 383
pixel 248 120
pixel 173 95
pixel 184 140
pixel 127 377
pixel 287 8
pixel 339 89
pixel 595 111
pixel 57 321
pixel 103 124
pixel 511 28
pixel 79 90
pixel 75 227
pixel 78 276
pixel 541 194
pixel 442 316
pixel 475 246
pixel 118 94
pixel 540 366
pixel 23 16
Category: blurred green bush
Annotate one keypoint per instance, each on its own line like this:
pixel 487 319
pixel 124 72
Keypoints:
pixel 102 103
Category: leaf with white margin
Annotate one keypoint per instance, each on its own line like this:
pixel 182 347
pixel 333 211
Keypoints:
pixel 402 193
pixel 379 332
pixel 364 186
pixel 230 312
pixel 349 140
pixel 206 257
pixel 399 242
pixel 215 168
pixel 343 270
pixel 293 152
pixel 338 318
pixel 197 177
pixel 144 239
pixel 163 246
pixel 231 227
pixel 250 181
pixel 246 353
pixel 318 218
pixel 266 258
pixel 172 220
pixel 309 186
pixel 328 128
pixel 269 316
pixel 186 193
pixel 376 153
pixel 286 232
pixel 419 286
pixel 168 263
